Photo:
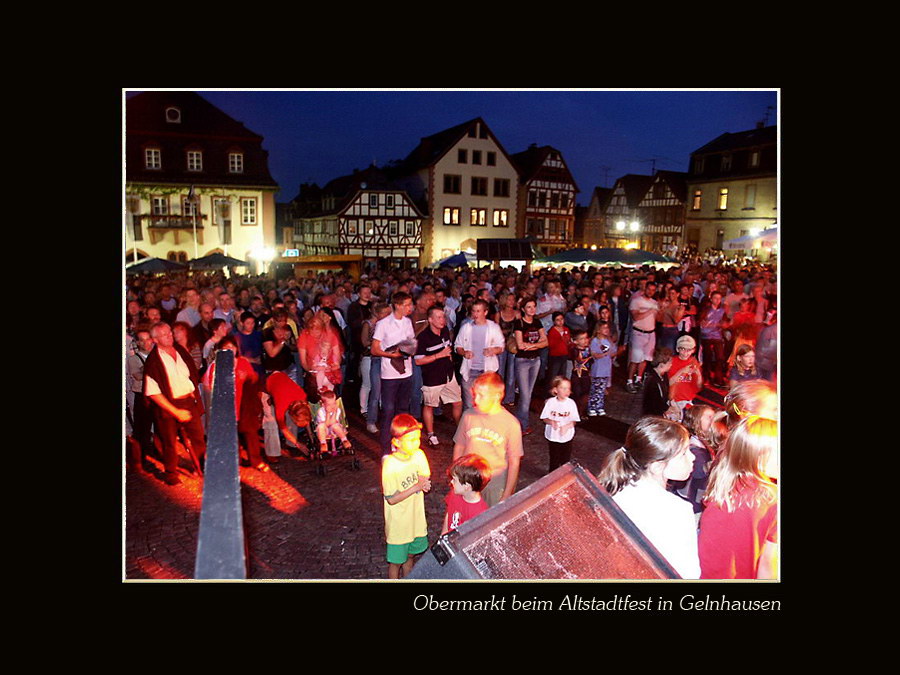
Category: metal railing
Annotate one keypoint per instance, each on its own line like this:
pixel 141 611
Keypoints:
pixel 221 551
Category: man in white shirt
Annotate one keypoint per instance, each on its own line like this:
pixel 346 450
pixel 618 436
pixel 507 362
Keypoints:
pixel 547 305
pixel 480 342
pixel 643 310
pixel 393 333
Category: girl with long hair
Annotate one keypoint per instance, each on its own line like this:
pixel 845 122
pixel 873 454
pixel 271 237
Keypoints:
pixel 656 450
pixel 739 527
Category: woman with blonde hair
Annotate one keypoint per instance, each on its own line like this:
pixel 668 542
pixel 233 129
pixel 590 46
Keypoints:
pixel 320 350
pixel 656 451
pixel 739 527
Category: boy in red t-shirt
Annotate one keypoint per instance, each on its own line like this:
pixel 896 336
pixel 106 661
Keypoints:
pixel 685 375
pixel 468 476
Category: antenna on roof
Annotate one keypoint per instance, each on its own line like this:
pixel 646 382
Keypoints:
pixel 652 161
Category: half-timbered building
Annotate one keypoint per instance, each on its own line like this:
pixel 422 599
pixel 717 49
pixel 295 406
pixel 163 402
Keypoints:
pixel 360 214
pixel 622 217
pixel 546 198
pixel 595 218
pixel 661 211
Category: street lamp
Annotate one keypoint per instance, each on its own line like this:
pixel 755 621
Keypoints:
pixel 264 255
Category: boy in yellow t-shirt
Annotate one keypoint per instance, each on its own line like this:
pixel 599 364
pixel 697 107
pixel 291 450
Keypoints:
pixel 405 476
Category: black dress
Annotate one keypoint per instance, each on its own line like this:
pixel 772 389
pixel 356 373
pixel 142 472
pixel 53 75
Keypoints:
pixel 656 393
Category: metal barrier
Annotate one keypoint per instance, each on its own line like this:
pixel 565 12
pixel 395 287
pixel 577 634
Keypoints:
pixel 221 552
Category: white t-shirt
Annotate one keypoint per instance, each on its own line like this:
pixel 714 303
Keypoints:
pixel 642 304
pixel 666 520
pixel 563 412
pixel 391 331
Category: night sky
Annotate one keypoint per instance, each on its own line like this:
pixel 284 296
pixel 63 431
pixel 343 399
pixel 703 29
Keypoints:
pixel 315 136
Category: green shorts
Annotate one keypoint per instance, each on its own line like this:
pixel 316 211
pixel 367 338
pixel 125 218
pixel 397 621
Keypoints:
pixel 399 553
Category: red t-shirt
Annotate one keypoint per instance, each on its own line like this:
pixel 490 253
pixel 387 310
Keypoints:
pixel 284 391
pixel 730 544
pixel 558 343
pixel 459 510
pixel 683 386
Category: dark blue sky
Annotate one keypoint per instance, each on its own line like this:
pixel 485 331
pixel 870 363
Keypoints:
pixel 319 135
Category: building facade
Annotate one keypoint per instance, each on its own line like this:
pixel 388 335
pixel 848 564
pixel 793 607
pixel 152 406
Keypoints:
pixel 595 218
pixel 196 181
pixel 546 204
pixel 361 214
pixel 732 188
pixel 661 212
pixel 622 224
pixel 465 185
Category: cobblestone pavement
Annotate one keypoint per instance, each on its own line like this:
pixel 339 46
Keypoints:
pixel 299 525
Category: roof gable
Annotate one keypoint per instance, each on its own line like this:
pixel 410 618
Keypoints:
pixel 529 163
pixel 432 148
pixel 741 139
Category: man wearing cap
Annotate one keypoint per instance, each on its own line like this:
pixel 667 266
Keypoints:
pixel 644 310
pixel 685 375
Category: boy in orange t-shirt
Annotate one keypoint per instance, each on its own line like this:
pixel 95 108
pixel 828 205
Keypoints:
pixel 685 375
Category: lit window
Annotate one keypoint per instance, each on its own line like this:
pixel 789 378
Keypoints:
pixel 501 187
pixel 248 211
pixel 501 218
pixel 479 186
pixel 370 227
pixel 236 162
pixel 195 160
pixel 451 215
pixel 723 199
pixel 478 217
pixel 754 158
pixel 698 194
pixel 152 158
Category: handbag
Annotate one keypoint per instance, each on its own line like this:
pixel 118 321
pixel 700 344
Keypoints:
pixel 511 345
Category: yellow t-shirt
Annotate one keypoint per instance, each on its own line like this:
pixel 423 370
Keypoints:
pixel 404 521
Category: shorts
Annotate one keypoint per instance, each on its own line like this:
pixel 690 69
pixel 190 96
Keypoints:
pixel 642 347
pixel 399 553
pixel 442 393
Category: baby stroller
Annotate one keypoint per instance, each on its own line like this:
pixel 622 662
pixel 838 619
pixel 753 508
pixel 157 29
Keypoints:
pixel 335 449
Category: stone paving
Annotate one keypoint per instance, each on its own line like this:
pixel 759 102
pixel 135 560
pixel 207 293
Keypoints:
pixel 299 525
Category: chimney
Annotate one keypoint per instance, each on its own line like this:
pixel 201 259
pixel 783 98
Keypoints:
pixel 761 124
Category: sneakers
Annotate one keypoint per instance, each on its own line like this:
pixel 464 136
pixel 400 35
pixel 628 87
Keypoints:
pixel 371 428
pixel 630 387
pixel 592 413
pixel 433 440
pixel 600 413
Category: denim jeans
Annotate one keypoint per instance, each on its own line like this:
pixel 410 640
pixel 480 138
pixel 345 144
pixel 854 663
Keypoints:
pixel 375 389
pixel 415 403
pixel 395 396
pixel 468 402
pixel 508 373
pixel 526 375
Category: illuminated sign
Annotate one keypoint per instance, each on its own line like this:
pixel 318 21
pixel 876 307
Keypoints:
pixel 291 253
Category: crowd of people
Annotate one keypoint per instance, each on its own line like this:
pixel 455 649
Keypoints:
pixel 479 345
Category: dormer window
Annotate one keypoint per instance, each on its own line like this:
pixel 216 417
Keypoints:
pixel 236 162
pixel 173 115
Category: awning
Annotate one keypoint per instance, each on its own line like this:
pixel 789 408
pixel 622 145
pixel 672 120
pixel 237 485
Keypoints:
pixel 749 242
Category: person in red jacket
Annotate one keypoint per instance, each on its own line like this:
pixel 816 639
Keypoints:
pixel 560 340
pixel 289 399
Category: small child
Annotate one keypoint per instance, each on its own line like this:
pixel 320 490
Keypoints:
pixel 270 429
pixel 698 420
pixel 405 477
pixel 560 415
pixel 328 421
pixel 468 476
pixel 685 375
pixel 559 341
pixel 603 348
pixel 580 353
